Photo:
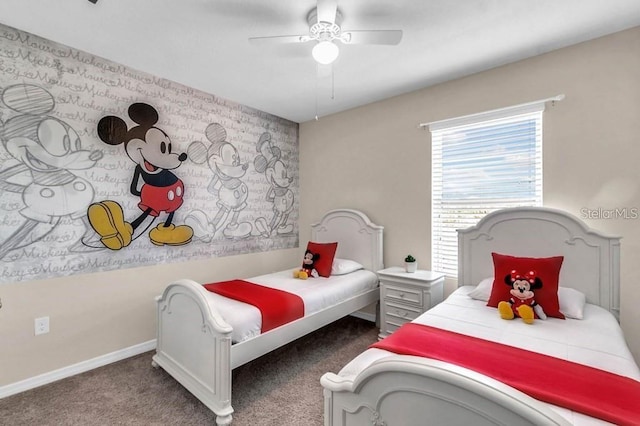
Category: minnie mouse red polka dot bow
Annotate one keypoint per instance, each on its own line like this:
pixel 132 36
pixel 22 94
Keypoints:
pixel 529 276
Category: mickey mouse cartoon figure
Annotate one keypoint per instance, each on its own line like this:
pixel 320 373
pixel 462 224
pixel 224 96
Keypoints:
pixel 522 302
pixel 150 148
pixel 308 266
pixel 270 163
pixel 44 168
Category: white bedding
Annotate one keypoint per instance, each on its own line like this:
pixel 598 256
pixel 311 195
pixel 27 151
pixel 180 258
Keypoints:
pixel 317 294
pixel 596 340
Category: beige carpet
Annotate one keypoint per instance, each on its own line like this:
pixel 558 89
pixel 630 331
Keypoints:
pixel 281 388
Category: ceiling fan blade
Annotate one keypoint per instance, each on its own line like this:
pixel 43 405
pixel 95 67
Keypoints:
pixel 280 39
pixel 326 10
pixel 371 37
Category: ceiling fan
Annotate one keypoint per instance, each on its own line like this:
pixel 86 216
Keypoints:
pixel 324 28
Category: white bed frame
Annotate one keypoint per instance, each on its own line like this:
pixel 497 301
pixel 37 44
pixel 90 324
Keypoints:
pixel 407 390
pixel 194 341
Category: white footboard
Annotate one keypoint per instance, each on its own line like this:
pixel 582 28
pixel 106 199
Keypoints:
pixel 414 391
pixel 194 346
pixel 194 342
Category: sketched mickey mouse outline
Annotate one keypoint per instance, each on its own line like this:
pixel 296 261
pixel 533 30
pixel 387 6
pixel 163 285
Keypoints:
pixel 47 153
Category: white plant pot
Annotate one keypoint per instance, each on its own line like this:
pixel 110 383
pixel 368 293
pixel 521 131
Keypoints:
pixel 411 266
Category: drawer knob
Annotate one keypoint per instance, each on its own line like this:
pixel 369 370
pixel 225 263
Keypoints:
pixel 399 313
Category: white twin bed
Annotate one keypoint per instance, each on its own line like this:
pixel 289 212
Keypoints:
pixel 382 388
pixel 202 335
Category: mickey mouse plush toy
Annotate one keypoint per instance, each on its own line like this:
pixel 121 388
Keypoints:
pixel 308 266
pixel 522 302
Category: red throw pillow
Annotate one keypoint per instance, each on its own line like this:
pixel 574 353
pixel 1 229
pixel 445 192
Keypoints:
pixel 547 269
pixel 326 252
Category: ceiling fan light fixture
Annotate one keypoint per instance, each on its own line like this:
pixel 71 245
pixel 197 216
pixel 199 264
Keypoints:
pixel 325 52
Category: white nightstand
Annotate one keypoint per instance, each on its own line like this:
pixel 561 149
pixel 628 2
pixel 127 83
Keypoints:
pixel 404 296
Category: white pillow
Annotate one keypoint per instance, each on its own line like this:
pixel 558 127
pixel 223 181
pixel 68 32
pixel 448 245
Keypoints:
pixel 571 300
pixel 344 266
pixel 482 290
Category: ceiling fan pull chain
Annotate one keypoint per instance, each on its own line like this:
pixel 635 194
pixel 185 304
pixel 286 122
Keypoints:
pixel 333 85
pixel 317 71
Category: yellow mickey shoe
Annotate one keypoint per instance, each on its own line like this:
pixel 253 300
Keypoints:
pixel 300 274
pixel 504 308
pixel 124 228
pixel 526 313
pixel 107 219
pixel 171 235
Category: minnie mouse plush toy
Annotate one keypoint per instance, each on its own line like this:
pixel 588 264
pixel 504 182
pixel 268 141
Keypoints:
pixel 522 303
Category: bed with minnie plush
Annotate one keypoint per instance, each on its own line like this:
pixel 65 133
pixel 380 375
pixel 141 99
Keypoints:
pixel 487 355
pixel 205 330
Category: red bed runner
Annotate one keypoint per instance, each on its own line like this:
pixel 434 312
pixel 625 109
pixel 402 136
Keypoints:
pixel 596 393
pixel 276 306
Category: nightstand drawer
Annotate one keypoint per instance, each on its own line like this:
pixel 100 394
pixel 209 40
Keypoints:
pixel 400 312
pixel 404 294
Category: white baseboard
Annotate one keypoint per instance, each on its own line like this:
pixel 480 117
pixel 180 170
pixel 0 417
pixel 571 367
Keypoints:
pixel 72 370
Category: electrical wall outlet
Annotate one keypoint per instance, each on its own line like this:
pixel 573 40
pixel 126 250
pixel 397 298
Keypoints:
pixel 41 325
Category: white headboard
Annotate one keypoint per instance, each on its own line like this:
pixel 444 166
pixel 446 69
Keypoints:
pixel 358 238
pixel 591 259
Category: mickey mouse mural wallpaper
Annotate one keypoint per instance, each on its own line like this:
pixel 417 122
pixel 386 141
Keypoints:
pixel 150 148
pixel 105 167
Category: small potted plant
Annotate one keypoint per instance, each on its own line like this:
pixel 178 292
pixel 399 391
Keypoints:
pixel 410 263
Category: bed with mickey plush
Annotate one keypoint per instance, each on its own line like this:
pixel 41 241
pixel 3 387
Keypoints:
pixel 207 330
pixel 468 362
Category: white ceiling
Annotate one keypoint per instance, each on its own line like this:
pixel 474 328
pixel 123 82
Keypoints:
pixel 204 43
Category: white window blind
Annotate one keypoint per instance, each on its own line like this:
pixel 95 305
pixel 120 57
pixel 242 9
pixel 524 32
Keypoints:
pixel 481 163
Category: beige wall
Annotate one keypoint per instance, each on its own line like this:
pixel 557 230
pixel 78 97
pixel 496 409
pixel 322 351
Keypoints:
pixel 376 159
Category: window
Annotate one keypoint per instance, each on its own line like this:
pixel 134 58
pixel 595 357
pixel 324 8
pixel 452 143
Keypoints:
pixel 481 163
